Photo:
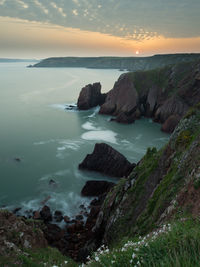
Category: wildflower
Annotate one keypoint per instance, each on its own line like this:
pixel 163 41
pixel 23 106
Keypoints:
pixel 131 261
pixel 136 249
pixel 96 258
pixel 133 255
pixel 65 262
pixel 112 262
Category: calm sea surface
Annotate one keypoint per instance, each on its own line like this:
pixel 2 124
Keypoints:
pixel 50 141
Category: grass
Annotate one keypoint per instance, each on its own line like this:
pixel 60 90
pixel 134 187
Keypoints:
pixel 38 258
pixel 172 245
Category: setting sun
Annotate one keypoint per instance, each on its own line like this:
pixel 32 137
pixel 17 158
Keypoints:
pixel 137 52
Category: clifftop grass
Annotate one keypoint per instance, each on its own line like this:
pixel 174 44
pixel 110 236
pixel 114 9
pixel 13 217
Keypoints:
pixel 149 195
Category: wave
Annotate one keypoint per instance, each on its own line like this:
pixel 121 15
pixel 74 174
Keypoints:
pixel 89 126
pixel 107 136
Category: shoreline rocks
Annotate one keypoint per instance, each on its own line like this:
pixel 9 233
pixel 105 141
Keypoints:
pixel 96 188
pixel 90 96
pixel 107 160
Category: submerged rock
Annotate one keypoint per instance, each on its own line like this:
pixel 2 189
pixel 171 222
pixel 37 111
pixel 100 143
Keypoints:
pixel 107 160
pixel 96 188
pixel 90 96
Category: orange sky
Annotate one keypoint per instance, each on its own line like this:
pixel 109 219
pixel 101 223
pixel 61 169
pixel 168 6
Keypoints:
pixel 22 38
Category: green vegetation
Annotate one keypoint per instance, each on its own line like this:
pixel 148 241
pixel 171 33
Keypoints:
pixel 37 258
pixel 130 63
pixel 176 244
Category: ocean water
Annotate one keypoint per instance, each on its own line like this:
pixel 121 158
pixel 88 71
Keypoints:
pixel 51 141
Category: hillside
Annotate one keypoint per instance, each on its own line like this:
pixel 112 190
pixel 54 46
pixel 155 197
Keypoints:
pixel 129 63
pixel 164 94
pixel 151 217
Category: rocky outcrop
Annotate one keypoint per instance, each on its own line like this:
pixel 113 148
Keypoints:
pixel 159 94
pixel 90 96
pixel 18 234
pixel 172 106
pixel 107 160
pixel 121 101
pixel 96 188
pixel 154 191
pixel 170 124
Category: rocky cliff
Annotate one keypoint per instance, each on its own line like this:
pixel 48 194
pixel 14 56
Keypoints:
pixel 130 63
pixel 165 94
pixel 162 184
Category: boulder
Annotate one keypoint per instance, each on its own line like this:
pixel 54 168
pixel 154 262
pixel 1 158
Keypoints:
pixel 90 96
pixel 45 214
pixel 107 160
pixel 170 124
pixel 58 216
pixel 123 98
pixel 96 188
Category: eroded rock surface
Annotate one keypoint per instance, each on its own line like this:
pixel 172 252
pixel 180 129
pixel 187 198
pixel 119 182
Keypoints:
pixel 107 160
pixel 90 96
pixel 96 188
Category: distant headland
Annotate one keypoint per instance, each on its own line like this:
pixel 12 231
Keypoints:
pixel 121 63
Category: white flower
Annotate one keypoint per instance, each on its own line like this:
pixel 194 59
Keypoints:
pixel 65 262
pixel 133 255
pixel 112 262
pixel 96 258
pixel 131 261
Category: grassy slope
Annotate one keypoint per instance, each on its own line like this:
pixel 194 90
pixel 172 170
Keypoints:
pixel 154 183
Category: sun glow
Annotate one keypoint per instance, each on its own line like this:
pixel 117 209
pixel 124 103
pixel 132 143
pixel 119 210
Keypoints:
pixel 137 52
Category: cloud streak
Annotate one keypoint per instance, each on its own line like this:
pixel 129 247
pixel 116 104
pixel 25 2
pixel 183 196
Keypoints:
pixel 131 19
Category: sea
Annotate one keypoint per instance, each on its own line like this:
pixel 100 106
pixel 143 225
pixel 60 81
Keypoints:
pixel 41 141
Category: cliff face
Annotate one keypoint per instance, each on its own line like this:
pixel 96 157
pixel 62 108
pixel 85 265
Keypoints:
pixel 164 94
pixel 130 63
pixel 162 182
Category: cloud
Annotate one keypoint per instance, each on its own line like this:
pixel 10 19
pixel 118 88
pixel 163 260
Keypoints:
pixel 40 5
pixel 129 19
pixel 59 9
pixel 22 4
pixel 2 2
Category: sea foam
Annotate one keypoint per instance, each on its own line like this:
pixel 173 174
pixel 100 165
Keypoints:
pixel 107 136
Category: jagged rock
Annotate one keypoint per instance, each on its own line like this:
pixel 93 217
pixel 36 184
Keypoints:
pixel 172 106
pixel 17 234
pixel 107 160
pixel 36 215
pixel 66 219
pixel 45 214
pixel 122 98
pixel 53 233
pixel 90 96
pixel 58 216
pixel 151 101
pixel 79 217
pixel 96 188
pixel 170 124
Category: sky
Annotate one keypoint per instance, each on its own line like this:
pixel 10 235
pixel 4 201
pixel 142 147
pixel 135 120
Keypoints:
pixel 45 28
